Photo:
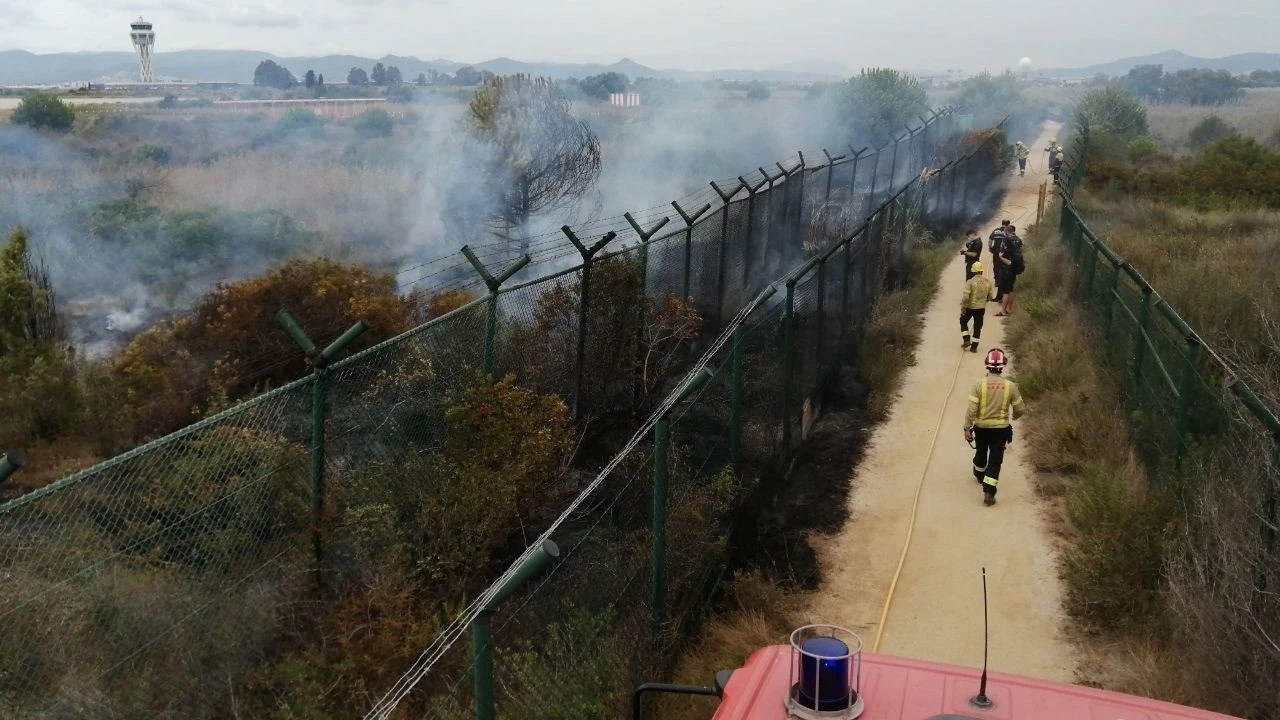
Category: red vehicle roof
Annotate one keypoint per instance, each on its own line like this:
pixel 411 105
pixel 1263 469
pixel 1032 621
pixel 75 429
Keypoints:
pixel 896 688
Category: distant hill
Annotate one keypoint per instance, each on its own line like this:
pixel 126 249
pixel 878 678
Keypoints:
pixel 1174 60
pixel 19 67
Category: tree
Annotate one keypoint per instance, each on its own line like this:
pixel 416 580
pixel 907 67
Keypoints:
pixel 880 101
pixel 310 79
pixel 44 111
pixel 357 76
pixel 1208 131
pixel 379 74
pixel 374 123
pixel 1201 87
pixel 467 76
pixel 538 154
pixel 1114 110
pixel 420 80
pixel 39 396
pixel 320 80
pixel 758 91
pixel 602 85
pixel 169 101
pixel 393 76
pixel 1145 81
pixel 269 74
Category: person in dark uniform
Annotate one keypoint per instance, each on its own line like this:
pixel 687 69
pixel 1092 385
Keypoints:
pixel 995 245
pixel 972 251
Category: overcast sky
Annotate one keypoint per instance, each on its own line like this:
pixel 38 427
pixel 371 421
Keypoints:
pixel 692 34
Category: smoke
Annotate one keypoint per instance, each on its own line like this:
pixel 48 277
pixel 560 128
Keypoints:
pixel 128 240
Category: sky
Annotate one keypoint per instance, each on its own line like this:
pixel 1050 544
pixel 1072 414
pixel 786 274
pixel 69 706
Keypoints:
pixel 968 35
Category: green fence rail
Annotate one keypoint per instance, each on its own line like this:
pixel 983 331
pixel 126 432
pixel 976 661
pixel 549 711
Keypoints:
pixel 206 574
pixel 643 547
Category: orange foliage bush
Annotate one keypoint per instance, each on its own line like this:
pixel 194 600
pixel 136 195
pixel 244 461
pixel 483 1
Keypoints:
pixel 231 345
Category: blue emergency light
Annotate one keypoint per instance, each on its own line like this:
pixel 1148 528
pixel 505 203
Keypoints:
pixel 824 674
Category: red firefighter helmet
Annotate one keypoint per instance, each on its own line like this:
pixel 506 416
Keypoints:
pixel 996 360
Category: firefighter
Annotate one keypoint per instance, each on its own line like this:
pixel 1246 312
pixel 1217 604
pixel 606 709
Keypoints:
pixel 1055 158
pixel 996 245
pixel 973 305
pixel 994 402
pixel 1021 152
pixel 972 251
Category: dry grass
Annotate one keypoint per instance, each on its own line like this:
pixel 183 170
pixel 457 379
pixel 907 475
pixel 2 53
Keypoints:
pixel 1217 269
pixel 893 330
pixel 1258 117
pixel 756 613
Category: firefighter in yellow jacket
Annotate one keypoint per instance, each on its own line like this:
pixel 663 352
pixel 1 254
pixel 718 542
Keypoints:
pixel 994 403
pixel 973 305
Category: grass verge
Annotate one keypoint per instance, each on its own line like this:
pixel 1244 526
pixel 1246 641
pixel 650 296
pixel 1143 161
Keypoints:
pixel 1116 533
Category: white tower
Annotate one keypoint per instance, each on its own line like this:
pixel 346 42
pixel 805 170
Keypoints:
pixel 144 38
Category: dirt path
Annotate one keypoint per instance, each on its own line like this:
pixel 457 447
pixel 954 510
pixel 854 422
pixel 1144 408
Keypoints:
pixel 936 611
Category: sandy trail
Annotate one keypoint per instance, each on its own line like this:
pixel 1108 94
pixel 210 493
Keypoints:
pixel 936 612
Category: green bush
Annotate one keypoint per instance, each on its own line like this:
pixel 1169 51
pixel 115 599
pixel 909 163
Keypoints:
pixel 158 154
pixel 44 111
pixel 1209 130
pixel 298 122
pixel 1141 148
pixel 1114 568
pixel 374 123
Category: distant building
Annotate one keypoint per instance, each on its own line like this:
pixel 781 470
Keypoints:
pixel 630 99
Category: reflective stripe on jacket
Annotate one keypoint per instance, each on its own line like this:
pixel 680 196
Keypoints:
pixel 991 402
pixel 977 292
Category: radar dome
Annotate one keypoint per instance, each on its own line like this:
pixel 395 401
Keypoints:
pixel 1024 64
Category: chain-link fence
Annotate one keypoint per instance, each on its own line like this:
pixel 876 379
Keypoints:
pixel 1182 394
pixel 603 598
pixel 290 556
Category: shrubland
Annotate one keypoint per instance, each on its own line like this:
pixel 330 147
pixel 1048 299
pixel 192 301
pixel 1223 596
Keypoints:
pixel 1167 560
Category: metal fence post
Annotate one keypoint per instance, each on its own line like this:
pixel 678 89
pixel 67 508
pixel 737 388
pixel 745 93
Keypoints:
pixel 1111 298
pixel 800 171
pixel 893 163
pixel 831 168
pixel 689 220
pixel 491 317
pixel 822 308
pixel 1086 290
pixel 724 246
pixel 645 235
pixel 584 309
pixel 751 211
pixel 735 408
pixel 658 586
pixel 788 365
pixel 1140 336
pixel 875 175
pixel 319 360
pixel 1185 384
pixel 529 566
pixel 853 176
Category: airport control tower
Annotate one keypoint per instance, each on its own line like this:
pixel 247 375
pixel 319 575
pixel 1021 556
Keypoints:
pixel 144 38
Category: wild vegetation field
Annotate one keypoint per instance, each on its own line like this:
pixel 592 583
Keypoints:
pixel 1255 116
pixel 1164 564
